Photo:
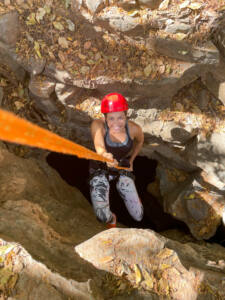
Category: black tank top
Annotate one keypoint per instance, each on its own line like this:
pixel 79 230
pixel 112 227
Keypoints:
pixel 118 150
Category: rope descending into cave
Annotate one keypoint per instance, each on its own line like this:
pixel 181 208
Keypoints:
pixel 17 130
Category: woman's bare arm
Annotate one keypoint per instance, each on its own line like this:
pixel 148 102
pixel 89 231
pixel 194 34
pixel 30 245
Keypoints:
pixel 138 136
pixel 97 133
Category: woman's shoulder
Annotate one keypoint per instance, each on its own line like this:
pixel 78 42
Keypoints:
pixel 134 128
pixel 97 124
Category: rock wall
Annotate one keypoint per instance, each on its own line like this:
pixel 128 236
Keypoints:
pixel 47 217
pixel 57 60
pixel 167 59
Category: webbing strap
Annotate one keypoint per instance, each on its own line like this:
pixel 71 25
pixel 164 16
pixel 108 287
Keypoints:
pixel 17 130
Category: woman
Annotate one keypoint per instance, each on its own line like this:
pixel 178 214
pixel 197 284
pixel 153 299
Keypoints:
pixel 119 140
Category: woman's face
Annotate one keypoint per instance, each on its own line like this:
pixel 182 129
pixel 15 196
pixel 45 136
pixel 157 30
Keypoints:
pixel 116 121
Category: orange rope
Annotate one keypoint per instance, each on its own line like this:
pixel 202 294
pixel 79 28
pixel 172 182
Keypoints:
pixel 17 130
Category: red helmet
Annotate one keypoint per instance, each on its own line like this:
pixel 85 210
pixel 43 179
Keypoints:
pixel 113 102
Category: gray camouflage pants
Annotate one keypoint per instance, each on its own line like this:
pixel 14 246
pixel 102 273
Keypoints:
pixel 99 191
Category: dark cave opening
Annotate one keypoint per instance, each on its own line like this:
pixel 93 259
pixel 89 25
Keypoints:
pixel 75 172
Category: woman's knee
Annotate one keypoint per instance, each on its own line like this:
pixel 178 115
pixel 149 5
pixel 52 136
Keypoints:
pixel 128 191
pixel 124 182
pixel 126 187
pixel 99 191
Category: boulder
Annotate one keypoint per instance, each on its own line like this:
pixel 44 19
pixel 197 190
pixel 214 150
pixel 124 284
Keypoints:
pixel 155 264
pixel 190 200
pixel 208 154
pixel 8 57
pixel 214 79
pixel 9 28
pixel 34 66
pixel 205 54
pixel 41 87
pixel 44 214
pixel 23 277
pixel 69 96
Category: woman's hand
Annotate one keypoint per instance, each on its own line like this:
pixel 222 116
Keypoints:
pixel 131 167
pixel 114 162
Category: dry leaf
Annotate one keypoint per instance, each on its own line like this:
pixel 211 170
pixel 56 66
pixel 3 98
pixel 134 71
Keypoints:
pixel 61 56
pixel 3 82
pixel 37 49
pixel 129 67
pixel 18 105
pixel 133 13
pixel 70 25
pixel 97 56
pixel 195 5
pixel 137 274
pixel 52 17
pixel 67 3
pixel 40 14
pixel 51 55
pixel 87 45
pixel 162 69
pixel 138 73
pixel 165 253
pixel 63 42
pixel 75 44
pixel 90 62
pixel 31 19
pixel 165 266
pixel 81 56
pixel 191 196
pixel 47 9
pixel 7 2
pixel 69 64
pixel 148 70
pixel 180 36
pixel 164 5
pixel 109 241
pixel 148 282
pixel 84 70
pixel 58 26
pixel 183 52
pixel 168 69
pixel 184 4
pixel 106 259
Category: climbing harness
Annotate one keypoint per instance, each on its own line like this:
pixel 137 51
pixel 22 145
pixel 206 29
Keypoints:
pixel 17 130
